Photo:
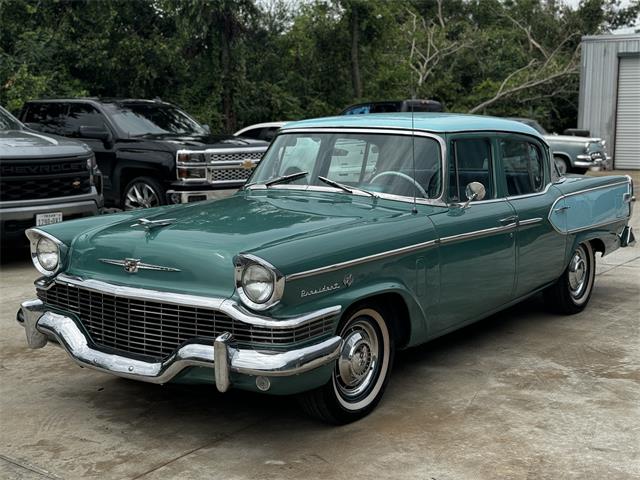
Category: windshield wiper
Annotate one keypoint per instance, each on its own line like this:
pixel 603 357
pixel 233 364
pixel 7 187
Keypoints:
pixel 347 189
pixel 285 178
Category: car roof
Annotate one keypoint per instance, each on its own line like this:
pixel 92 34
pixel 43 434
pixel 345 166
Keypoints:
pixel 427 121
pixel 99 100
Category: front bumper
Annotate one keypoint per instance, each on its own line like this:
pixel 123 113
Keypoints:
pixel 189 196
pixel 591 161
pixel 17 216
pixel 222 356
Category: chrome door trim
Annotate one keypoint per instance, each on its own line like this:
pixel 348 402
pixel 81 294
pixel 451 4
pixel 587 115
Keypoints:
pixel 479 233
pixel 530 221
pixel 358 261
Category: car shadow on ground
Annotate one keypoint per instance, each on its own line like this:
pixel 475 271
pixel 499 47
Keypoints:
pixel 188 407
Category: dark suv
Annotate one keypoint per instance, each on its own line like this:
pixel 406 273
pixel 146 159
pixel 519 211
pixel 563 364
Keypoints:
pixel 43 179
pixel 149 151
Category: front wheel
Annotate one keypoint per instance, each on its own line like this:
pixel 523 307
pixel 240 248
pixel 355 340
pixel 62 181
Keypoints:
pixel 143 192
pixel 572 291
pixel 361 373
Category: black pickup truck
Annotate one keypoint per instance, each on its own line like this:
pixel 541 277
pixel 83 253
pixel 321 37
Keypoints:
pixel 150 152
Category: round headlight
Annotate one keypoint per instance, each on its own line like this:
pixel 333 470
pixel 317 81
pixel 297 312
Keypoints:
pixel 48 254
pixel 257 283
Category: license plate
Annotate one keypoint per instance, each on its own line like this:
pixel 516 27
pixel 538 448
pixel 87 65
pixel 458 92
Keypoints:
pixel 43 219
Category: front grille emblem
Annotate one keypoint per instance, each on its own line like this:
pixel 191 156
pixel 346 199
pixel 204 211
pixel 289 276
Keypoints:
pixel 132 265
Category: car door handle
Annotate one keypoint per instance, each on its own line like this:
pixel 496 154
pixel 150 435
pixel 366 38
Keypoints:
pixel 561 209
pixel 509 220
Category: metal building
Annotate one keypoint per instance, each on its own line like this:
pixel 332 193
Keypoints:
pixel 610 95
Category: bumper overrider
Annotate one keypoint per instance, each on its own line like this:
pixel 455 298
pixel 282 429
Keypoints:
pixel 222 355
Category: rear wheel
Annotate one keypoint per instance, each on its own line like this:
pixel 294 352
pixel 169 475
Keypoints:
pixel 361 373
pixel 562 165
pixel 572 291
pixel 143 192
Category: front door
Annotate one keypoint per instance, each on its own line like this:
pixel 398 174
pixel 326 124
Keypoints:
pixel 477 243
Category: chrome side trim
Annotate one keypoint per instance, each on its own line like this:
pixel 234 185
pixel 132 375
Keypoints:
pixel 578 192
pixel 478 233
pixel 42 325
pixel 227 306
pixel 530 221
pixel 358 261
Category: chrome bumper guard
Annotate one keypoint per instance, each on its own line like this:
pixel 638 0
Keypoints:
pixel 42 325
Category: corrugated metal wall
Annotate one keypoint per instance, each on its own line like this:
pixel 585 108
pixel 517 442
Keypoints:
pixel 599 83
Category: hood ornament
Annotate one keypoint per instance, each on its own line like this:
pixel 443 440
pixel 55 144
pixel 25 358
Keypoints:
pixel 132 265
pixel 149 224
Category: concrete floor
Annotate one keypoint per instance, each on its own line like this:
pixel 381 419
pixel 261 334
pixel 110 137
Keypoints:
pixel 524 394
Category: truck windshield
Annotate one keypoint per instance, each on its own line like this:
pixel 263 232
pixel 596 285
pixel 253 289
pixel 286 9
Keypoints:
pixel 382 163
pixel 141 119
pixel 8 122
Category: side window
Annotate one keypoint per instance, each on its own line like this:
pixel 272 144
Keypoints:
pixel 49 117
pixel 358 109
pixel 347 162
pixel 470 161
pixel 82 115
pixel 523 166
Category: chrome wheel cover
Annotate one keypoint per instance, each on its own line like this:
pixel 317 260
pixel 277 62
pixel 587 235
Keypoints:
pixel 578 273
pixel 140 195
pixel 358 362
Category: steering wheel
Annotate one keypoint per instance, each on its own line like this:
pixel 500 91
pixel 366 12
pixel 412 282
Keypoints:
pixel 405 177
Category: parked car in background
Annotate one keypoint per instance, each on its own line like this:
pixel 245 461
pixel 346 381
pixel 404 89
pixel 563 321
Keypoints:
pixel 149 151
pixel 572 153
pixel 308 283
pixel 43 179
pixel 394 106
pixel 261 131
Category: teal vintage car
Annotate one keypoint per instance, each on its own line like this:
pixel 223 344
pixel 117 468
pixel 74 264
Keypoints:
pixel 329 260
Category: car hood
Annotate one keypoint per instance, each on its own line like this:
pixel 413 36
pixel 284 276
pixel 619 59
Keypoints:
pixel 207 141
pixel 28 144
pixel 290 230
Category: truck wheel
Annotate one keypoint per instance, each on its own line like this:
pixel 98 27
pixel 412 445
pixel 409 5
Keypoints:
pixel 361 372
pixel 562 165
pixel 572 291
pixel 143 192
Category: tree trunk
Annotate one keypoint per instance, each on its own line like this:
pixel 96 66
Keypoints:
pixel 228 109
pixel 355 61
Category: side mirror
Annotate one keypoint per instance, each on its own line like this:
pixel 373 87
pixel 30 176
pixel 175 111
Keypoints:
pixel 474 191
pixel 207 129
pixel 96 133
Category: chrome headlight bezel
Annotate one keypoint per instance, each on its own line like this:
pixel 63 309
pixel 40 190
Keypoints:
pixel 35 235
pixel 242 262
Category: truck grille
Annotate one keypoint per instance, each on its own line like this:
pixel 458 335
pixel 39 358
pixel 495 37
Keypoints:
pixel 229 174
pixel 235 157
pixel 156 329
pixel 41 179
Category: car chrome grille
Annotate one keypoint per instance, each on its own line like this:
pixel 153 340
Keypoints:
pixel 156 329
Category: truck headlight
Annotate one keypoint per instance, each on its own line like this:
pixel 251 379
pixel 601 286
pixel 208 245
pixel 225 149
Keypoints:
pixel 259 284
pixel 47 252
pixel 191 157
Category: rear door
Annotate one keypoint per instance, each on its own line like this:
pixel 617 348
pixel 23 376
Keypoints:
pixel 526 179
pixel 477 245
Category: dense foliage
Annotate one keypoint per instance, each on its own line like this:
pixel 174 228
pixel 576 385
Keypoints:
pixel 237 62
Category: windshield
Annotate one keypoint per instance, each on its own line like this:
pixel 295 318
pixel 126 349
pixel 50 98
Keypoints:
pixel 138 119
pixel 373 162
pixel 8 122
